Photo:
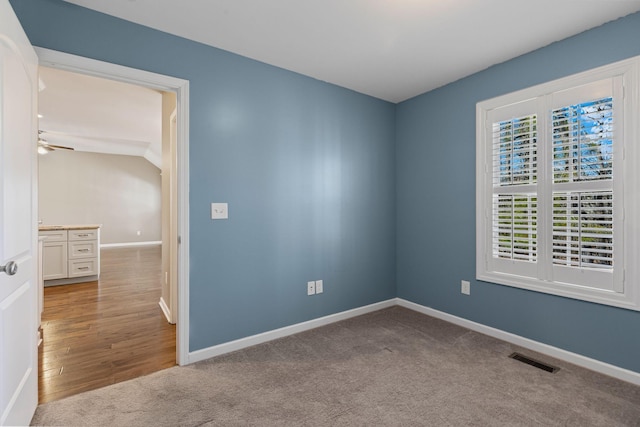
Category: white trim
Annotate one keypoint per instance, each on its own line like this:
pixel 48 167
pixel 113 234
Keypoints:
pixel 572 81
pixel 78 64
pixel 123 245
pixel 182 327
pixel 165 309
pixel 558 353
pixel 241 343
pixel 173 215
pixel 93 67
pixel 549 350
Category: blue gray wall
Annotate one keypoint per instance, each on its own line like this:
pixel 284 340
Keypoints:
pixel 436 223
pixel 308 170
pixel 313 172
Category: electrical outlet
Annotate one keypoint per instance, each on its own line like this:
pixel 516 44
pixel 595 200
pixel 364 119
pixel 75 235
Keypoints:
pixel 319 287
pixel 311 288
pixel 465 287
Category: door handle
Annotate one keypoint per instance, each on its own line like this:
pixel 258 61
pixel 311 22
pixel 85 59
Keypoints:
pixel 11 268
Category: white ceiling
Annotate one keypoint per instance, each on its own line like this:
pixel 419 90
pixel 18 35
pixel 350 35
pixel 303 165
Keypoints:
pixel 99 115
pixel 389 49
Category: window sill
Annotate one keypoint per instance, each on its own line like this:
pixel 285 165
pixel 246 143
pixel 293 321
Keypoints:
pixel 626 300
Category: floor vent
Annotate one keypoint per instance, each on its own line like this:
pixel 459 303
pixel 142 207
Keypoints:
pixel 529 361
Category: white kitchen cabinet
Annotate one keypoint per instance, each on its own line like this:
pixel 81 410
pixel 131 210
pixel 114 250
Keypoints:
pixel 71 254
pixel 54 255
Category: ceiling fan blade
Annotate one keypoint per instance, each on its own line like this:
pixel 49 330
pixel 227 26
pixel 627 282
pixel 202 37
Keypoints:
pixel 43 142
pixel 61 147
pixel 50 147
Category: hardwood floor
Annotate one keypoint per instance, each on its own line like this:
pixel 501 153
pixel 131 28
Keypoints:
pixel 103 332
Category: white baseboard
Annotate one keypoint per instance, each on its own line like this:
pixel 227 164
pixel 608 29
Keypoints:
pixel 165 309
pixel 567 356
pixel 127 244
pixel 217 350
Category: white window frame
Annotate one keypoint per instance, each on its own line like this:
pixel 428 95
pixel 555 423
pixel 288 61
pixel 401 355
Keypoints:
pixel 539 276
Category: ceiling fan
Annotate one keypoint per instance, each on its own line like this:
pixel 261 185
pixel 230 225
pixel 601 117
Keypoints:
pixel 44 147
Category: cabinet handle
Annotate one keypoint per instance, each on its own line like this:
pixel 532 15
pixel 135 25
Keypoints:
pixel 83 235
pixel 83 268
pixel 83 250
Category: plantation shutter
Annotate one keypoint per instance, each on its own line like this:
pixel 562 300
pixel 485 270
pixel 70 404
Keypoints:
pixel 553 167
pixel 557 185
pixel 513 132
pixel 584 133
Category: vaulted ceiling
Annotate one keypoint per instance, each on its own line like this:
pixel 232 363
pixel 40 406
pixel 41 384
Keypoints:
pixel 99 115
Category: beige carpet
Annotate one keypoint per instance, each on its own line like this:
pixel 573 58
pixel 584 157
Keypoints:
pixel 393 367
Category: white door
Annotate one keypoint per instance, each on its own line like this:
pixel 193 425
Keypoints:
pixel 18 229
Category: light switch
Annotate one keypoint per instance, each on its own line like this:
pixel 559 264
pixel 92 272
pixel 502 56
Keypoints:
pixel 219 211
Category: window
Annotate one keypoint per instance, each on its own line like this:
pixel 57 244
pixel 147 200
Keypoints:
pixel 557 187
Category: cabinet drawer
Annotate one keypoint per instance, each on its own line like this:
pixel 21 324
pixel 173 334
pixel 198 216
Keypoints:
pixel 83 267
pixel 82 249
pixel 83 234
pixel 54 235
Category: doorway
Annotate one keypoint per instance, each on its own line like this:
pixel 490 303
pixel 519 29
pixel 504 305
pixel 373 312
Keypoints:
pixel 102 332
pixel 175 303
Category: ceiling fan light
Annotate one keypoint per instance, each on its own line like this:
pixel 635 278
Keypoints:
pixel 43 150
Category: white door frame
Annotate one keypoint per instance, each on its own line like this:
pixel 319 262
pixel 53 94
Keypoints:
pixel 173 230
pixel 79 64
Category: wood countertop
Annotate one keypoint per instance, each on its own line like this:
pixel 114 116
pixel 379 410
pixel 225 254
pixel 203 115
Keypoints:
pixel 69 227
